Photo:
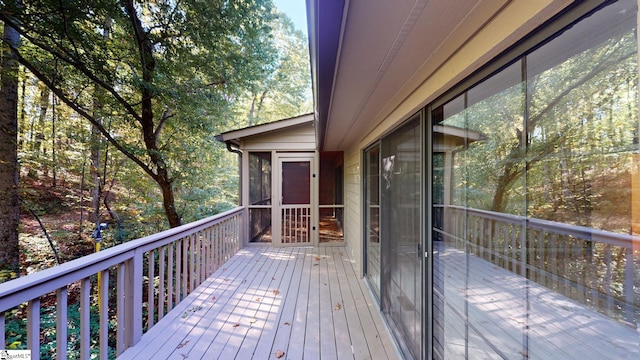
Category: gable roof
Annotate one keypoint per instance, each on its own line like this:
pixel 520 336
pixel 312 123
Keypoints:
pixel 235 136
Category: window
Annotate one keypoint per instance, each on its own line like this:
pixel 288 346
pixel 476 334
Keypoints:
pixel 260 197
pixel 534 204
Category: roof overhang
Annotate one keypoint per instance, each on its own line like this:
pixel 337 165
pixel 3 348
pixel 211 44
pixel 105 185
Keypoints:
pixel 235 136
pixel 369 57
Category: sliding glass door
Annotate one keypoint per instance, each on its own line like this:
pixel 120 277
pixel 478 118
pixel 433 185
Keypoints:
pixel 401 240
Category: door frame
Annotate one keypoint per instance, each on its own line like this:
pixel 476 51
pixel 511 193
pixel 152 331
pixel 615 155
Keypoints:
pixel 276 209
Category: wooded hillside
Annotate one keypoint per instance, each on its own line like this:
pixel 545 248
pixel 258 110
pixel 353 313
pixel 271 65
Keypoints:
pixel 115 109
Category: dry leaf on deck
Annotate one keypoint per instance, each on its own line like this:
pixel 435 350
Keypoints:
pixel 318 258
pixel 287 323
pixel 236 325
pixel 258 299
pixel 276 292
pixel 279 354
pixel 337 307
pixel 183 344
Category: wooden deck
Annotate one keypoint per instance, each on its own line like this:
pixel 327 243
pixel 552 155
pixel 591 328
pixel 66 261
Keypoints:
pixel 268 303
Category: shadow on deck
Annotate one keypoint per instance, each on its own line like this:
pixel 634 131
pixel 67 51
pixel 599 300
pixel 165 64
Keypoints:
pixel 267 303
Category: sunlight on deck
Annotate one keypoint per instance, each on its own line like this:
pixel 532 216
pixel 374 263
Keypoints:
pixel 268 303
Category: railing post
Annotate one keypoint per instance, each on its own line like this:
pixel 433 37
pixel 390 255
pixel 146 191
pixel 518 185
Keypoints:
pixel 133 300
pixel 61 323
pixel 85 318
pixel 33 328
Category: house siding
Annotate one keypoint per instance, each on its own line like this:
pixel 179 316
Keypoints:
pixel 353 207
pixel 299 138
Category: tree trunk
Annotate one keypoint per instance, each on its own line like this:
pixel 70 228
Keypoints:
pixel 9 203
pixel 54 137
pixel 42 117
pixel 151 131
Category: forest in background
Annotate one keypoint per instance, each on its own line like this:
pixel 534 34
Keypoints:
pixel 117 106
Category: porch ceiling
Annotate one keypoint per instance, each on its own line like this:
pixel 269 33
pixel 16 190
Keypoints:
pixel 368 55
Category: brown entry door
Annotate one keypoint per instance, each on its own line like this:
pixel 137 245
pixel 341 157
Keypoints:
pixel 295 210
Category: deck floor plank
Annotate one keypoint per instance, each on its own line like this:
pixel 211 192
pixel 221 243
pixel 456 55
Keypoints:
pixel 282 336
pixel 299 319
pixel 295 349
pixel 267 310
pixel 216 318
pixel 327 343
pixel 241 318
pixel 312 333
pixel 350 305
pixel 282 288
pixel 342 336
pixel 176 323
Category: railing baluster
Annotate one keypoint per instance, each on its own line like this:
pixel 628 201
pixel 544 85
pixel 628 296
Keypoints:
pixel 151 306
pixel 178 270
pixel 170 277
pixel 33 328
pixel 104 314
pixel 200 257
pixel 3 336
pixel 120 309
pixel 554 263
pixel 61 323
pixel 161 290
pixel 629 293
pixel 192 268
pixel 185 266
pixel 207 252
pixel 607 283
pixel 85 318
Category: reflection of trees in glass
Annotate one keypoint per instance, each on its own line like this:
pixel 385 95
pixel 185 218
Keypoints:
pixel 583 123
pixel 581 127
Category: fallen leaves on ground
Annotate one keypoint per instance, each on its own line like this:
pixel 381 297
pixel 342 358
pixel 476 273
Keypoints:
pixel 276 292
pixel 279 354
pixel 337 307
pixel 182 344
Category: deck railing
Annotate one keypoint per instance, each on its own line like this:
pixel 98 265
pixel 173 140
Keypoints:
pixel 594 267
pixel 150 275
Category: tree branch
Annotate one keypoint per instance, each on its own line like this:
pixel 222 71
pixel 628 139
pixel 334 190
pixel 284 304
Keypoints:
pixel 56 90
pixel 77 65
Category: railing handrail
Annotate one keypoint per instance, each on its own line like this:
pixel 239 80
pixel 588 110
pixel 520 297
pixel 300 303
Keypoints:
pixel 20 290
pixel 583 232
